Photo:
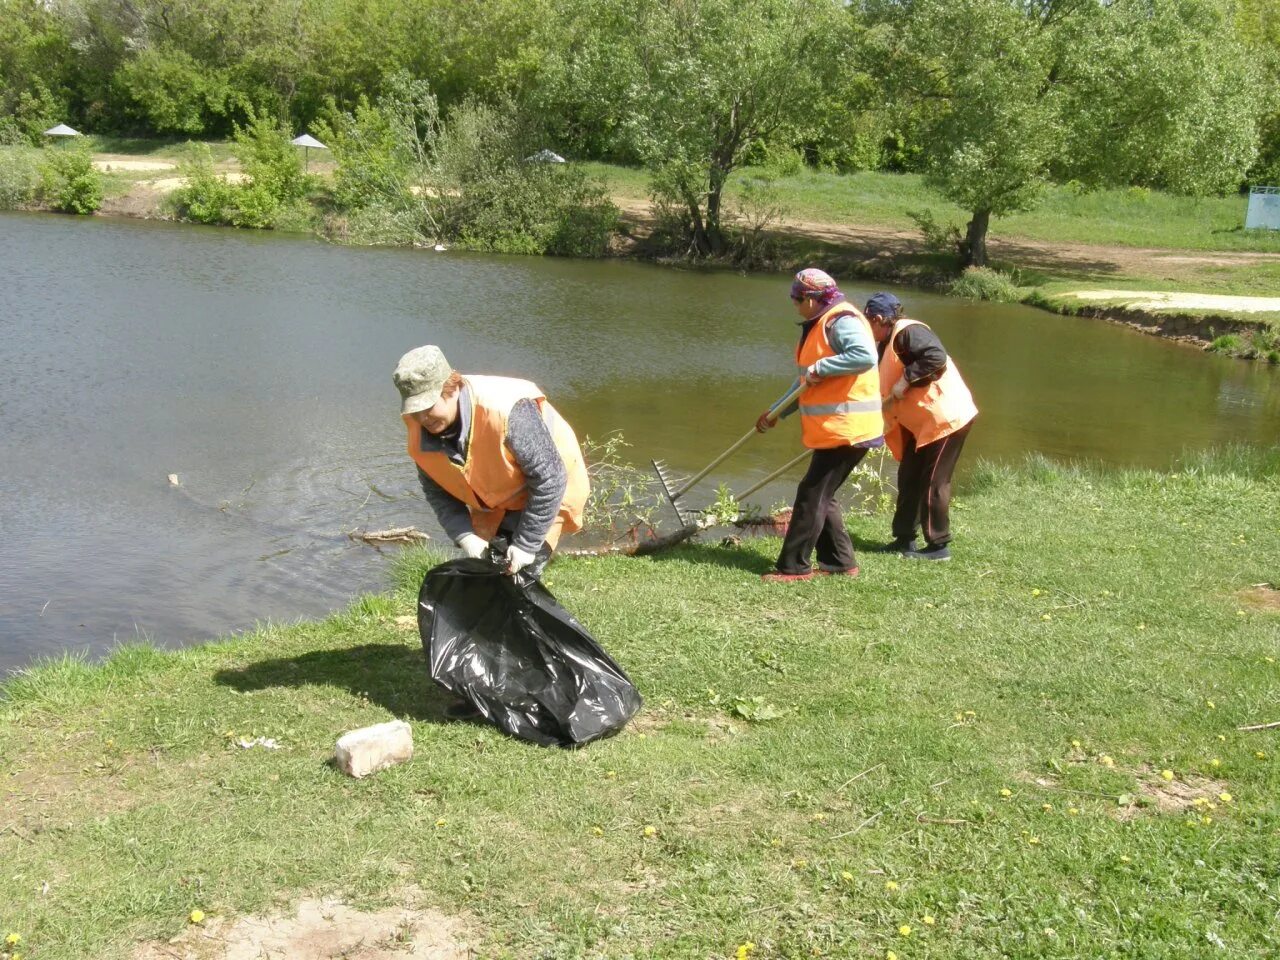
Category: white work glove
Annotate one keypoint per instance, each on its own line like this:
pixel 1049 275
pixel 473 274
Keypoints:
pixel 810 375
pixel 899 388
pixel 518 559
pixel 473 546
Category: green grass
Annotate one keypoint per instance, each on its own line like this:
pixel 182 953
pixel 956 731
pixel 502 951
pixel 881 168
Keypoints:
pixel 1120 217
pixel 1082 606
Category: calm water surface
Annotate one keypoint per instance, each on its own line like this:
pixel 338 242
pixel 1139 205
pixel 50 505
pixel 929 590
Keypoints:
pixel 258 369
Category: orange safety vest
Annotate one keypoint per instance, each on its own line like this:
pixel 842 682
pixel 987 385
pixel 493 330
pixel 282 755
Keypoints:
pixel 837 411
pixel 490 482
pixel 930 411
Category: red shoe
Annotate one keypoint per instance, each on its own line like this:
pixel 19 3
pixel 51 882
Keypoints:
pixel 833 572
pixel 777 576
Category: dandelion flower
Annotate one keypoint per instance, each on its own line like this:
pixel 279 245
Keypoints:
pixel 1006 792
pixel 890 955
pixel 1072 811
pixel 1076 744
pixel 1046 616
pixel 441 822
pixel 197 916
pixel 1034 841
pixel 1124 859
pixel 1215 762
pixel 846 876
pixel 775 842
pixel 1260 754
pixel 959 717
pixel 1210 704
pixel 597 831
pixel 611 774
pixel 1224 797
pixel 744 950
pixel 891 884
pixel 649 831
pixel 799 863
pixel 1046 807
pixel 1142 626
pixel 1206 820
pixel 1166 774
pixel 1199 802
pixel 1106 761
pixel 1035 591
pixel 929 921
pixel 1222 737
pixel 904 930
pixel 819 817
pixel 13 939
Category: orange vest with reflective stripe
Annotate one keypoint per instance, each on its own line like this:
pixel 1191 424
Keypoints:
pixel 930 411
pixel 837 411
pixel 490 482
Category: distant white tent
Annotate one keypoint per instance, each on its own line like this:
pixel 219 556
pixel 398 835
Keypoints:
pixel 61 130
pixel 545 156
pixel 306 141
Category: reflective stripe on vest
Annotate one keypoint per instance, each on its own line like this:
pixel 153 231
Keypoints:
pixel 930 411
pixel 490 482
pixel 843 410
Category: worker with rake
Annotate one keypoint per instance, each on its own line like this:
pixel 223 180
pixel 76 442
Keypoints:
pixel 840 420
pixel 494 458
pixel 927 416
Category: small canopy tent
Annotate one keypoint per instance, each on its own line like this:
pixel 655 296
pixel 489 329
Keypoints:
pixel 306 141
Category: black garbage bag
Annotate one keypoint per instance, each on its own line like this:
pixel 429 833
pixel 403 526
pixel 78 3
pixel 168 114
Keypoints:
pixel 504 644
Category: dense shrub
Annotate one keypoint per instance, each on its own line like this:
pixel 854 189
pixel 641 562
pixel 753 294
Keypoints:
pixel 69 182
pixel 407 175
pixel 19 177
pixel 271 194
pixel 983 283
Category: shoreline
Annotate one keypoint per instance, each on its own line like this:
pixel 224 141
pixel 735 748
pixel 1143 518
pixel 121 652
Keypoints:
pixel 803 244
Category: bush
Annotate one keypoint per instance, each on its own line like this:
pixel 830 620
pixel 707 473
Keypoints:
pixel 69 182
pixel 983 283
pixel 271 196
pixel 405 175
pixel 938 237
pixel 19 177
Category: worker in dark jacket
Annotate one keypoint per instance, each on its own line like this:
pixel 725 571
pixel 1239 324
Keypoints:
pixel 928 411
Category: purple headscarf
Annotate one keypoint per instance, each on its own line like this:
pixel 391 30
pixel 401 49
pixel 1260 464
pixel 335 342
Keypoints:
pixel 812 282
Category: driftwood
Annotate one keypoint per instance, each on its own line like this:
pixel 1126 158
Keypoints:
pixel 637 548
pixel 390 535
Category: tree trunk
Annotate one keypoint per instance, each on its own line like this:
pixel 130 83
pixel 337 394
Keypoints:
pixel 974 250
pixel 715 237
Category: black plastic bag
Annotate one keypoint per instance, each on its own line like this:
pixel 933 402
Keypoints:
pixel 504 644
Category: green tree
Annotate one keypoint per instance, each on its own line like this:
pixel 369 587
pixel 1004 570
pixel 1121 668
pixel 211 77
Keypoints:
pixel 694 87
pixel 1008 94
pixel 35 68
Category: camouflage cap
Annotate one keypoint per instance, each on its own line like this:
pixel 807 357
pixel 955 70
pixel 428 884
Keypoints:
pixel 420 376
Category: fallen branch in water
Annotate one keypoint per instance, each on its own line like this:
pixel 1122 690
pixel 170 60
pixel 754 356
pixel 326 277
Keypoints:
pixel 390 535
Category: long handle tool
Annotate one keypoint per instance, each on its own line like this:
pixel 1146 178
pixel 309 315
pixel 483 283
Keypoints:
pixel 740 497
pixel 674 496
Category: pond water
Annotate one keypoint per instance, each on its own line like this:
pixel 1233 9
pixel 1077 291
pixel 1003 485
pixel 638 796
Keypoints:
pixel 258 369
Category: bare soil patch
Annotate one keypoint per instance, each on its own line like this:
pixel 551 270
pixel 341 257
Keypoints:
pixel 319 929
pixel 108 163
pixel 1261 596
pixel 1163 300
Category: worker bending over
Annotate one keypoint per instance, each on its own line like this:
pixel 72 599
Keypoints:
pixel 928 411
pixel 840 420
pixel 494 457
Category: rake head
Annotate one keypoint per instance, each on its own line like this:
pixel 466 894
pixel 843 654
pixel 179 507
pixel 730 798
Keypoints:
pixel 668 487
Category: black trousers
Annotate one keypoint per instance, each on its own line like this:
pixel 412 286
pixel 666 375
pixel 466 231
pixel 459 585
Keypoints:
pixel 816 520
pixel 924 487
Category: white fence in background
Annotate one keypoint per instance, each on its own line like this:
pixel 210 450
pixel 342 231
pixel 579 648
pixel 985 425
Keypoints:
pixel 1264 209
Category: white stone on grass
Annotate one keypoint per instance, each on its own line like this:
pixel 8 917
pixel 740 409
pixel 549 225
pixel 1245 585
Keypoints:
pixel 370 749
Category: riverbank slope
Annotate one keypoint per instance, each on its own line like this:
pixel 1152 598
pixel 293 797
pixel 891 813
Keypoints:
pixel 1006 754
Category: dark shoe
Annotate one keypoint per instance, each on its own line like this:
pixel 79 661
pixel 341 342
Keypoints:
pixel 462 710
pixel 838 571
pixel 777 576
pixel 929 553
pixel 896 546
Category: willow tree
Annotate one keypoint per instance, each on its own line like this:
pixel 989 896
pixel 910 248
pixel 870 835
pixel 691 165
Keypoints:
pixel 1009 94
pixel 691 87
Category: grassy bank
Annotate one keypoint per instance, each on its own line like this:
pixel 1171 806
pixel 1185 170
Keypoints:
pixel 973 751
